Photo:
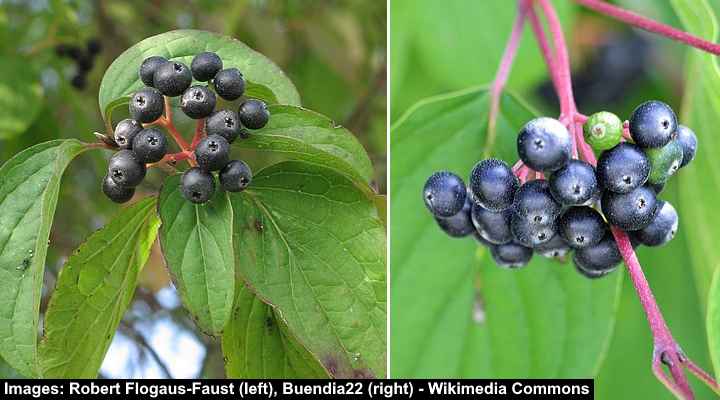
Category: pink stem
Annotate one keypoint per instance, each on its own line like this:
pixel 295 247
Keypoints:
pixel 626 130
pixel 648 24
pixel 703 376
pixel 545 50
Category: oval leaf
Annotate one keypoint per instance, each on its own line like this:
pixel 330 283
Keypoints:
pixel 310 243
pixel 29 185
pixel 198 248
pixel 257 345
pixel 20 96
pixel 713 322
pixel 263 76
pixel 300 134
pixel 455 314
pixel 93 290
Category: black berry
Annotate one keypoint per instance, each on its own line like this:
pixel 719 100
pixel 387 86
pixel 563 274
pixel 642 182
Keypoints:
pixel 115 192
pixel 652 124
pixel 93 46
pixel 236 176
pixel 198 102
pixel 581 227
pixel 622 168
pixel 493 226
pixel 444 194
pixel 125 169
pixel 79 81
pixel 535 204
pixel 662 229
pixel 224 123
pixel 493 184
pixel 460 224
pixel 172 78
pixel 125 132
pixel 511 255
pixel 687 139
pixel 146 105
pixel 574 184
pixel 544 144
pixel 229 84
pixel 630 211
pixel 197 186
pixel 150 145
pixel 212 153
pixel 531 234
pixel 148 68
pixel 85 63
pixel 253 114
pixel 205 66
pixel 555 248
pixel 598 260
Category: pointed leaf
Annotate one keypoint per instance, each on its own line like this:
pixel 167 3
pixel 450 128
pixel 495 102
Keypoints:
pixel 20 96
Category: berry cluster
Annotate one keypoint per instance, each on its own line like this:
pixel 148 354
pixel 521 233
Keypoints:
pixel 516 211
pixel 141 145
pixel 84 59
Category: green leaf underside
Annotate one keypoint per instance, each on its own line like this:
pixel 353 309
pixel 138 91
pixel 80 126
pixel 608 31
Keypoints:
pixel 256 343
pixel 20 96
pixel 544 320
pixel 713 323
pixel 310 243
pixel 198 249
pixel 94 289
pixel 29 185
pixel 264 79
pixel 300 134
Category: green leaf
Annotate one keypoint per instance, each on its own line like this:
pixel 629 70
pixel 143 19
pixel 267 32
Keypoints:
pixel 700 181
pixel 198 248
pixel 310 243
pixel 20 96
pixel 256 343
pixel 713 322
pixel 29 185
pixel 455 313
pixel 264 79
pixel 93 290
pixel 300 134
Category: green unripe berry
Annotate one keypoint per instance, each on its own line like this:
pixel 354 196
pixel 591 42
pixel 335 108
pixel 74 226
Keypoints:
pixel 664 161
pixel 603 130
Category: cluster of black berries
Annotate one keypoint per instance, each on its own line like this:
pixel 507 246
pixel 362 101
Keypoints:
pixel 140 146
pixel 574 207
pixel 84 59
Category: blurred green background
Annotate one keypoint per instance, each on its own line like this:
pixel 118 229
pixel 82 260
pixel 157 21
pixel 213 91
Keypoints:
pixel 334 51
pixel 440 47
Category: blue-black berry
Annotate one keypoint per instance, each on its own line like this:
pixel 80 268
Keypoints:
pixel 581 227
pixel 198 102
pixel 535 204
pixel 687 139
pixel 544 144
pixel 205 66
pixel 598 260
pixel 254 114
pixel 531 234
pixel 115 192
pixel 493 226
pixel 460 224
pixel 150 145
pixel 444 194
pixel 125 132
pixel 653 124
pixel 574 184
pixel 630 211
pixel 148 68
pixel 236 176
pixel 229 84
pixel 172 78
pixel 125 169
pixel 224 123
pixel 493 184
pixel 511 255
pixel 622 168
pixel 555 248
pixel 197 186
pixel 146 105
pixel 212 153
pixel 662 229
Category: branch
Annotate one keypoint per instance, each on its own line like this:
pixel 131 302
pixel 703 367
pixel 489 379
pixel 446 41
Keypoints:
pixel 140 340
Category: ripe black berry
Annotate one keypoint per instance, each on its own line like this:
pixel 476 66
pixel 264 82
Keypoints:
pixel 172 78
pixel 493 226
pixel 630 211
pixel 224 123
pixel 197 186
pixel 460 224
pixel 581 227
pixel 150 145
pixel 205 66
pixel 115 192
pixel 125 169
pixel 687 139
pixel 125 132
pixel 84 64
pixel 531 234
pixel 662 229
pixel 511 255
pixel 544 144
pixel 598 260
pixel 555 248
pixel 212 153
pixel 236 176
pixel 444 194
pixel 622 168
pixel 146 105
pixel 198 102
pixel 93 46
pixel 229 84
pixel 652 124
pixel 574 184
pixel 148 68
pixel 535 204
pixel 79 81
pixel 253 114
pixel 493 184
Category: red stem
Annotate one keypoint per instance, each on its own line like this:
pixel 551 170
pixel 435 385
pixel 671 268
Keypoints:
pixel 648 24
pixel 199 133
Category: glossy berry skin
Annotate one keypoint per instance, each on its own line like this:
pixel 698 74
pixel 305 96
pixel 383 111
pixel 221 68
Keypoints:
pixel 493 226
pixel 150 145
pixel 125 132
pixel 603 130
pixel 125 169
pixel 460 224
pixel 664 161
pixel 236 176
pixel 172 78
pixel 531 234
pixel 146 105
pixel 687 139
pixel 118 194
pixel 205 65
pixel 555 248
pixel 535 204
pixel 662 229
pixel 229 84
pixel 598 260
pixel 544 144
pixel 630 211
pixel 212 153
pixel 198 102
pixel 574 184
pixel 254 114
pixel 581 227
pixel 622 168
pixel 511 255
pixel 652 124
pixel 224 123
pixel 197 186
pixel 493 184
pixel 148 68
pixel 444 194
